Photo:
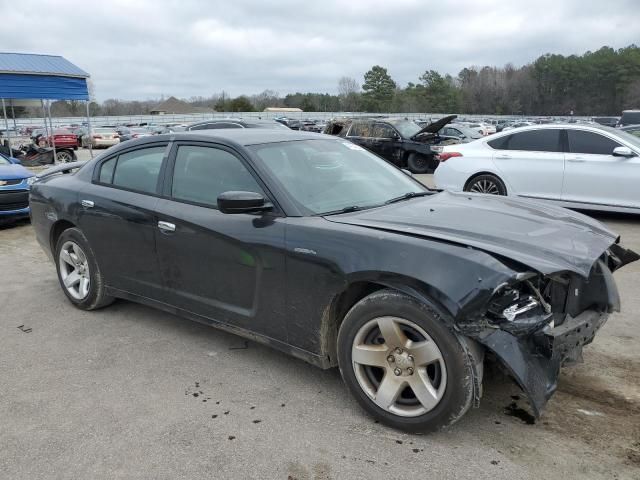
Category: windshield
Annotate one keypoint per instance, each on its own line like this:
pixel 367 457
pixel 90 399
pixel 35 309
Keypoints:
pixel 407 129
pixel 468 132
pixel 324 176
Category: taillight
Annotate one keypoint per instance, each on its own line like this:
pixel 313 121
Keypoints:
pixel 97 136
pixel 444 156
pixel 116 136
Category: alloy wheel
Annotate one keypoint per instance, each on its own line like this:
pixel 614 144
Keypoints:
pixel 64 157
pixel 398 366
pixel 485 186
pixel 74 270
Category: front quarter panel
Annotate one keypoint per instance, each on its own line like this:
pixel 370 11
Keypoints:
pixel 324 258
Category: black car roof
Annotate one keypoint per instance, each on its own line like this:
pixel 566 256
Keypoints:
pixel 244 137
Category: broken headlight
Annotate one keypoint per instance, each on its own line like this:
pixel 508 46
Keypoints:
pixel 521 307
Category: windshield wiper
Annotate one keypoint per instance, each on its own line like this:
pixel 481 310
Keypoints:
pixel 407 196
pixel 352 208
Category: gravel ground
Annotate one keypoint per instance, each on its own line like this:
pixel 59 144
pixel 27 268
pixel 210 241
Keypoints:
pixel 131 392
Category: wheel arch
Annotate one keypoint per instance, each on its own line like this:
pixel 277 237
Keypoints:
pixel 56 230
pixel 362 286
pixel 486 172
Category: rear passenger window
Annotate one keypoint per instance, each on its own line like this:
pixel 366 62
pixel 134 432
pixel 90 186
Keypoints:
pixel 589 142
pixel 139 170
pixel 106 171
pixel 201 174
pixel 530 141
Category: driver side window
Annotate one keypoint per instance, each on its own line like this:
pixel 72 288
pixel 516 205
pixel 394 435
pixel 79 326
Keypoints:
pixel 581 141
pixel 201 174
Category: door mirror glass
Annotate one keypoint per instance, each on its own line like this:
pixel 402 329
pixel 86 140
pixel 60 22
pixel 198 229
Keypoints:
pixel 241 202
pixel 623 152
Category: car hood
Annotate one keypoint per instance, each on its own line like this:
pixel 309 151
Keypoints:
pixel 14 172
pixel 435 127
pixel 546 238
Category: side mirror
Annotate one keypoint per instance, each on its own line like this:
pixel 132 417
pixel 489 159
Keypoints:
pixel 241 202
pixel 623 152
pixel 407 172
pixel 15 161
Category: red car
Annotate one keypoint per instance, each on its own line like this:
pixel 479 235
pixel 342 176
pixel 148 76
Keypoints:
pixel 63 139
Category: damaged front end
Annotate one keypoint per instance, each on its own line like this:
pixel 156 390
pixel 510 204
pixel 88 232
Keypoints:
pixel 537 323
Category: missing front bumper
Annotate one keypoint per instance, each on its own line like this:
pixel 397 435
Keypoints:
pixel 535 361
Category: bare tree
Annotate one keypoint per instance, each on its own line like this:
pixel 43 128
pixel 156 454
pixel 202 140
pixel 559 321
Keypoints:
pixel 348 89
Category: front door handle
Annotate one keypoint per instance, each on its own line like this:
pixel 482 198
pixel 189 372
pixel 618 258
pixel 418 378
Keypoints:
pixel 575 159
pixel 166 227
pixel 87 203
pixel 503 156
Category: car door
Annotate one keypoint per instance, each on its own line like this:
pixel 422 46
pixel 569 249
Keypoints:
pixel 225 267
pixel 594 175
pixel 386 142
pixel 531 162
pixel 118 218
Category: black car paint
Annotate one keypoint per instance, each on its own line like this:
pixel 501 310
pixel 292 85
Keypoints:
pixel 397 149
pixel 286 280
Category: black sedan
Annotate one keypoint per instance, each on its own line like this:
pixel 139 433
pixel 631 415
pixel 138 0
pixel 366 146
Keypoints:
pixel 321 249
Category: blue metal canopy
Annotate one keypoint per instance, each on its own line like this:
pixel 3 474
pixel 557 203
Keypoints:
pixel 30 76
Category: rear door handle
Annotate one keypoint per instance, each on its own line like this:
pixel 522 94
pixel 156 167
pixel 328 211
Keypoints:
pixel 87 203
pixel 166 227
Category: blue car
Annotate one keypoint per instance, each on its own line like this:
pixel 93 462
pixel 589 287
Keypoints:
pixel 15 181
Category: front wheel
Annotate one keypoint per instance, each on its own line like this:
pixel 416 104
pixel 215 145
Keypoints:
pixel 63 156
pixel 418 163
pixel 78 272
pixel 489 184
pixel 403 364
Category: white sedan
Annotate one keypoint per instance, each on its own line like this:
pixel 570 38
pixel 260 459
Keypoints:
pixel 577 166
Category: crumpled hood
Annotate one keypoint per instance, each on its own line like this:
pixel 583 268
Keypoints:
pixel 14 172
pixel 546 238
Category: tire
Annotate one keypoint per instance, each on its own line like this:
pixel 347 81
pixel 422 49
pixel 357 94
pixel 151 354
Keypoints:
pixel 486 183
pixel 417 163
pixel 450 370
pixel 63 156
pixel 84 265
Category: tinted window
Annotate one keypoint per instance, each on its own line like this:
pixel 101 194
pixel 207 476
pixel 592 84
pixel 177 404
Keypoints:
pixel 139 170
pixel 201 174
pixel 588 142
pixel 106 171
pixel 531 141
pixel 205 126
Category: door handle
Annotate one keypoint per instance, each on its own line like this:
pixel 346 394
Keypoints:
pixel 503 156
pixel 576 159
pixel 166 227
pixel 87 203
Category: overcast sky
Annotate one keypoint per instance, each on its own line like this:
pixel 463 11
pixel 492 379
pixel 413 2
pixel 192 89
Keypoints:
pixel 144 49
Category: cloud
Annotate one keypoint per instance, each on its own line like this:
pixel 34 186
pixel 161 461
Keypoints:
pixel 144 49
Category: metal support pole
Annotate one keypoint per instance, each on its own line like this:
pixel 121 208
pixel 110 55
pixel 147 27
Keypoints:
pixel 6 124
pixel 89 130
pixel 53 138
pixel 44 117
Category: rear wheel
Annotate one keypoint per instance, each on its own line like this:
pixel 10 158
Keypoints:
pixel 78 272
pixel 488 184
pixel 403 365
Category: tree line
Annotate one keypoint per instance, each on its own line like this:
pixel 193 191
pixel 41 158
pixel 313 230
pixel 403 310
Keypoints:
pixel 603 82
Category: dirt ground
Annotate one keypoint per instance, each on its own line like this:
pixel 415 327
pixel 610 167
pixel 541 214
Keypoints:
pixel 129 392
